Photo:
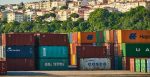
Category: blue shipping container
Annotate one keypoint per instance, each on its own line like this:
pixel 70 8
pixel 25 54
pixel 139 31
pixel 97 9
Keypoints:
pixel 53 52
pixel 19 51
pixel 148 65
pixel 118 63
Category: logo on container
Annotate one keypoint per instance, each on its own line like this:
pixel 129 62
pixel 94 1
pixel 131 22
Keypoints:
pixel 145 36
pixel 132 36
pixel 90 37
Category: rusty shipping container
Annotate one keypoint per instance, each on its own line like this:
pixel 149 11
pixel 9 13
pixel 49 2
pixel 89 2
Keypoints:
pixel 84 37
pixel 95 64
pixel 74 45
pixel 53 39
pixel 73 49
pixel 20 64
pixel 132 68
pixel 18 39
pixel 91 51
pixel 3 67
pixel 133 36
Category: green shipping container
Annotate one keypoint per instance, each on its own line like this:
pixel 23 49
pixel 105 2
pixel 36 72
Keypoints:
pixel 143 65
pixel 100 37
pixel 136 50
pixel 137 65
pixel 53 52
pixel 53 64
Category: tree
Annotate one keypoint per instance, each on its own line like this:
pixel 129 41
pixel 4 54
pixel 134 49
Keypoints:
pixel 63 7
pixel 74 16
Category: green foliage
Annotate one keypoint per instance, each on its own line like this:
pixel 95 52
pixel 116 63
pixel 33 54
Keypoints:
pixel 63 7
pixel 101 19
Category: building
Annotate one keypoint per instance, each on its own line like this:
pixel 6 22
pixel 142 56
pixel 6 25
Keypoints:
pixel 3 15
pixel 63 15
pixel 15 16
pixel 30 15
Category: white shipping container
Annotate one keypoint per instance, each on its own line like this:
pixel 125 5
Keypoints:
pixel 95 64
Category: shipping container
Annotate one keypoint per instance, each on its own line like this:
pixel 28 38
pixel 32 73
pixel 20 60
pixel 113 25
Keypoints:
pixel 20 64
pixel 118 62
pixel 53 64
pixel 133 36
pixel 137 64
pixel 136 50
pixel 111 36
pixel 132 68
pixel 118 49
pixel 46 39
pixel 2 53
pixel 3 68
pixel 53 52
pixel 126 63
pixel 73 59
pixel 70 37
pixel 100 37
pixel 0 39
pixel 109 48
pixel 18 39
pixel 143 65
pixel 91 52
pixel 84 37
pixel 19 51
pixel 95 64
pixel 73 46
pixel 148 65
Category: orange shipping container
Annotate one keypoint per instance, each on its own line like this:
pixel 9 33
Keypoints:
pixel 133 36
pixel 84 37
pixel 132 64
pixel 73 59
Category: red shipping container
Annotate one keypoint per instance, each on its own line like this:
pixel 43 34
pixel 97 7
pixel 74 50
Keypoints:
pixel 91 51
pixel 3 68
pixel 132 64
pixel 53 39
pixel 126 63
pixel 20 64
pixel 18 39
pixel 74 45
pixel 111 33
pixel 74 37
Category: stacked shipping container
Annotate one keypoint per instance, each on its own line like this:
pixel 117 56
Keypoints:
pixel 134 44
pixel 53 52
pixel 140 65
pixel 19 48
pixel 85 54
pixel 3 66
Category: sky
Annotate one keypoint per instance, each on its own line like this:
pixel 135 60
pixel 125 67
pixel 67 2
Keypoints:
pixel 15 1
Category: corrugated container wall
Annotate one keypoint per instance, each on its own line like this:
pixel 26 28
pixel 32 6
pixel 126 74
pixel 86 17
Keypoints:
pixel 53 52
pixel 53 39
pixel 143 65
pixel 91 52
pixel 84 37
pixel 95 64
pixel 0 39
pixel 21 64
pixel 3 67
pixel 18 39
pixel 136 50
pixel 19 51
pixel 133 36
pixel 132 67
pixel 53 64
pixel 148 65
